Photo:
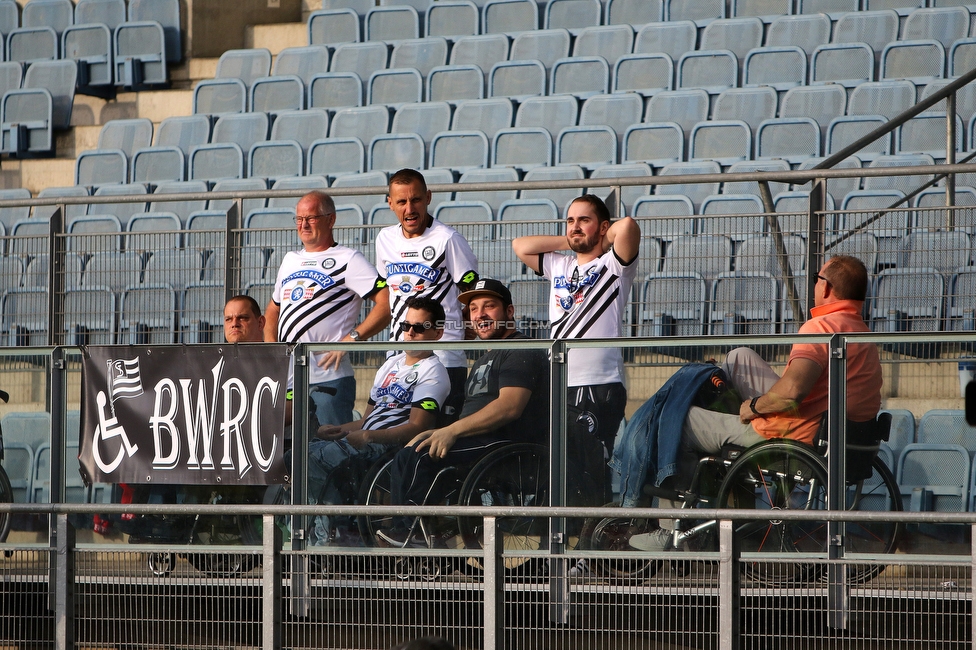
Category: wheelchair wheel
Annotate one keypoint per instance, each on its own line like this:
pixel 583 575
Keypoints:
pixel 613 534
pixel 778 475
pixel 6 496
pixel 375 491
pixel 878 493
pixel 514 475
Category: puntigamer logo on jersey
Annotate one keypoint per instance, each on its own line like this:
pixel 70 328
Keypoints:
pixel 414 276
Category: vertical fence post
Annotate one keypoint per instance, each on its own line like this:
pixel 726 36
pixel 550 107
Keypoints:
pixel 558 585
pixel 64 608
pixel 494 586
pixel 838 598
pixel 233 243
pixel 57 399
pixel 950 156
pixel 300 586
pixel 56 283
pixel 728 587
pixel 271 588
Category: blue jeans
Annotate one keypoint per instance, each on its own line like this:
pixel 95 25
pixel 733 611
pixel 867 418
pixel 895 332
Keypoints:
pixel 332 409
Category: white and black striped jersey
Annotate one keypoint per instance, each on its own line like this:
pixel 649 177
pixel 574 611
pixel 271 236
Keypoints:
pixel 430 265
pixel 588 302
pixel 320 296
pixel 400 386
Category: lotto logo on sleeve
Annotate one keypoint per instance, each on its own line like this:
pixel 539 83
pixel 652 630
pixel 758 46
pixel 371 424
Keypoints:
pixel 428 405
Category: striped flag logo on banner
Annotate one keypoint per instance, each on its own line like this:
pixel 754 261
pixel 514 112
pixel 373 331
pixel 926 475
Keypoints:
pixel 125 378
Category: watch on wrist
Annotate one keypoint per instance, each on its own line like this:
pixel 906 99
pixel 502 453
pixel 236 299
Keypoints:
pixel 752 404
pixel 355 336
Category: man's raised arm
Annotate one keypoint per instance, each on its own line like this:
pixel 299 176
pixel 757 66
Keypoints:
pixel 528 249
pixel 624 235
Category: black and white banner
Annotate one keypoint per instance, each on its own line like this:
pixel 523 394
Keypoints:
pixel 204 414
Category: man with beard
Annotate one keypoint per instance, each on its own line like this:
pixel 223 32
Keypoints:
pixel 506 400
pixel 589 292
pixel 424 257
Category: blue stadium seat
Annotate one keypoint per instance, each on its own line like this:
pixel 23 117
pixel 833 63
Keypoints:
pixel 273 95
pixel 30 237
pixel 389 153
pixel 873 28
pixel 9 216
pixel 672 304
pixel 902 7
pixel 702 11
pixel 177 268
pixel 391 24
pixel 844 130
pixel 752 187
pixel 561 197
pixel 302 62
pixel 248 65
pixel 724 141
pixel 368 179
pixel 511 213
pixel 71 211
pixel 666 217
pixel 920 62
pixel 962 58
pixel 906 184
pixel 847 64
pixel 25 122
pixel 683 107
pixel 832 8
pixel 98 167
pixel 611 42
pixel 633 12
pixel 629 194
pixel 926 133
pixel 696 192
pixel 395 87
pixel 200 320
pixel 223 205
pixel 722 209
pixel 426 119
pixel 91 47
pixel 646 74
pixel 821 103
pixel 264 229
pixel 333 27
pixel 278 159
pixel 473 218
pixel 943 24
pixel 183 132
pixel 673 38
pixel 303 183
pixel 335 157
pixel 758 253
pixel 123 211
pixel 450 83
pixel 9 16
pixel 586 146
pixel 58 79
pixel 25 317
pixel 219 96
pixel 806 32
pixel 793 139
pixel 304 127
pixel 707 255
pixel 126 135
pixel 139 51
pixel 656 143
pixel 148 315
pixel 523 148
pixel 888 98
pixel 422 54
pixel 167 14
pixel 335 90
pixel 11 273
pixel 452 19
pixel 485 115
pixel 509 16
pixel 11 75
pixel 710 70
pixel 744 303
pixel 113 269
pixel 961 308
pixel 459 150
pixel 494 198
pixel 56 14
pixel 94 233
pixel 618 111
pixel 214 162
pixel 767 10
pixel 517 80
pixel 152 231
pixel 364 123
pixel 944 251
pixel 572 14
pixel 547 46
pixel 482 51
pixel 580 76
pixel 738 35
pixel 362 58
pixel 550 113
pixel 750 105
pixel 107 12
pixel 780 68
pixel 934 477
pixel 890 227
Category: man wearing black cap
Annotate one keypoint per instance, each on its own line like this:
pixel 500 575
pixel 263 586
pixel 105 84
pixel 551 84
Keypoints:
pixel 506 399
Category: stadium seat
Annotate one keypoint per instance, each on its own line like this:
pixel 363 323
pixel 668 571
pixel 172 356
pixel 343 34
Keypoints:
pixel 572 14
pixel 12 274
pixel 71 211
pixel 902 7
pixel 580 76
pixel 750 105
pixel 934 477
pixel 683 107
pixel 633 12
pixel 926 133
pixel 248 65
pixel 551 113
pixel 906 184
pixel 845 130
pixel 752 187
pixel 710 70
pixel 278 159
pixel 422 54
pixel 485 115
pixel 758 253
pixel 523 148
pixel 303 127
pixel 273 95
pixel 767 10
pixel 27 45
pixel 11 75
pixel 482 51
pixel 561 197
pixel 98 167
pixel 90 46
pixel 395 87
pixel 873 28
pixel 673 38
pixel 123 211
pixel 264 229
pixel 509 16
pixel 701 11
pixel 672 304
pixel 806 32
pixel 201 319
pixel 847 64
pixel 177 268
pixel 646 74
pixel 152 231
pixel 389 153
pixel 618 111
pixel 696 192
pixel 93 233
pixel 908 300
pixel 219 96
pixel 459 150
pixel 147 315
pixel 425 119
pixel 888 98
pixel 334 157
pixel 494 198
pixel 25 318
pixel 629 194
pixel 744 303
pixel 368 179
pixel 707 255
pixel 214 162
pixel 547 46
pixel 451 83
pixel 962 58
pixel 941 250
pixel 889 228
pixel 780 68
pixel 542 213
pixel 721 209
pixel 183 132
pixel 586 146
pixel 364 123
pixel 335 90
pixel 302 183
pixel 656 143
pixel 665 217
pixel 920 62
pixel 961 309
pixel 362 58
pixel 391 24
pixel 724 141
pixel 167 14
pixel 89 316
pixel 139 51
pixel 244 130
pixel 793 139
pixel 29 237
pixel 472 218
pixel 738 35
pixel 610 42
pixel 126 135
pixel 113 269
pixel 9 216
pixel 943 24
pixel 9 16
pixel 223 205
pixel 452 19
pixel 333 27
pixel 517 80
pixel 821 103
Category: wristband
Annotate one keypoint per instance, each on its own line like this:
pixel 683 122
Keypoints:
pixel 752 405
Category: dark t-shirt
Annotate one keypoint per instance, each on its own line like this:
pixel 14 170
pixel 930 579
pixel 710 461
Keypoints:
pixel 498 369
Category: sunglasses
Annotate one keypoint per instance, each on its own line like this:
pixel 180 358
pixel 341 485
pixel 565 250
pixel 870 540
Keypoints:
pixel 418 328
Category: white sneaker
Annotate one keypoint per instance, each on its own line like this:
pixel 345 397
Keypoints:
pixel 658 539
pixel 579 570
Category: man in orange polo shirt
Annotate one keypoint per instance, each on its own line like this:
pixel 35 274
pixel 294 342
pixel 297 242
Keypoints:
pixel 791 406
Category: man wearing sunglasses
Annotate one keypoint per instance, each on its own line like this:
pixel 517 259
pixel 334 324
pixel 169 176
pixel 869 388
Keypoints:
pixel 424 257
pixel 506 400
pixel 317 298
pixel 408 393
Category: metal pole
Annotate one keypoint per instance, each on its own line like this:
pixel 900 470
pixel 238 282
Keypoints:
pixel 271 589
pixel 558 585
pixel 781 257
pixel 300 586
pixel 64 609
pixel 728 585
pixel 233 242
pixel 494 586
pixel 56 284
pixel 950 156
pixel 838 596
pixel 815 239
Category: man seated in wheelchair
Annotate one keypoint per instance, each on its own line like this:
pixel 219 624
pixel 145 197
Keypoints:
pixel 506 400
pixel 407 395
pixel 792 406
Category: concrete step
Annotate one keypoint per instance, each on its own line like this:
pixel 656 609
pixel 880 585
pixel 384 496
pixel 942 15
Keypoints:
pixel 276 37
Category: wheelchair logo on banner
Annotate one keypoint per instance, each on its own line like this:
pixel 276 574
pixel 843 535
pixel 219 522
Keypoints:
pixel 125 381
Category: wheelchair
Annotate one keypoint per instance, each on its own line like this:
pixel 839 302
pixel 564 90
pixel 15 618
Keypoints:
pixel 777 474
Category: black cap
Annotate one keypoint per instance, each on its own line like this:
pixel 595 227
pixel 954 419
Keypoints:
pixel 487 286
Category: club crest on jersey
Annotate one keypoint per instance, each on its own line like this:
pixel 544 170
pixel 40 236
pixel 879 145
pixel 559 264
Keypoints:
pixel 429 253
pixel 567 303
pixel 328 263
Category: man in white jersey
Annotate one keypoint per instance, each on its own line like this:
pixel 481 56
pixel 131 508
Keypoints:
pixel 588 295
pixel 424 257
pixel 317 298
pixel 407 394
